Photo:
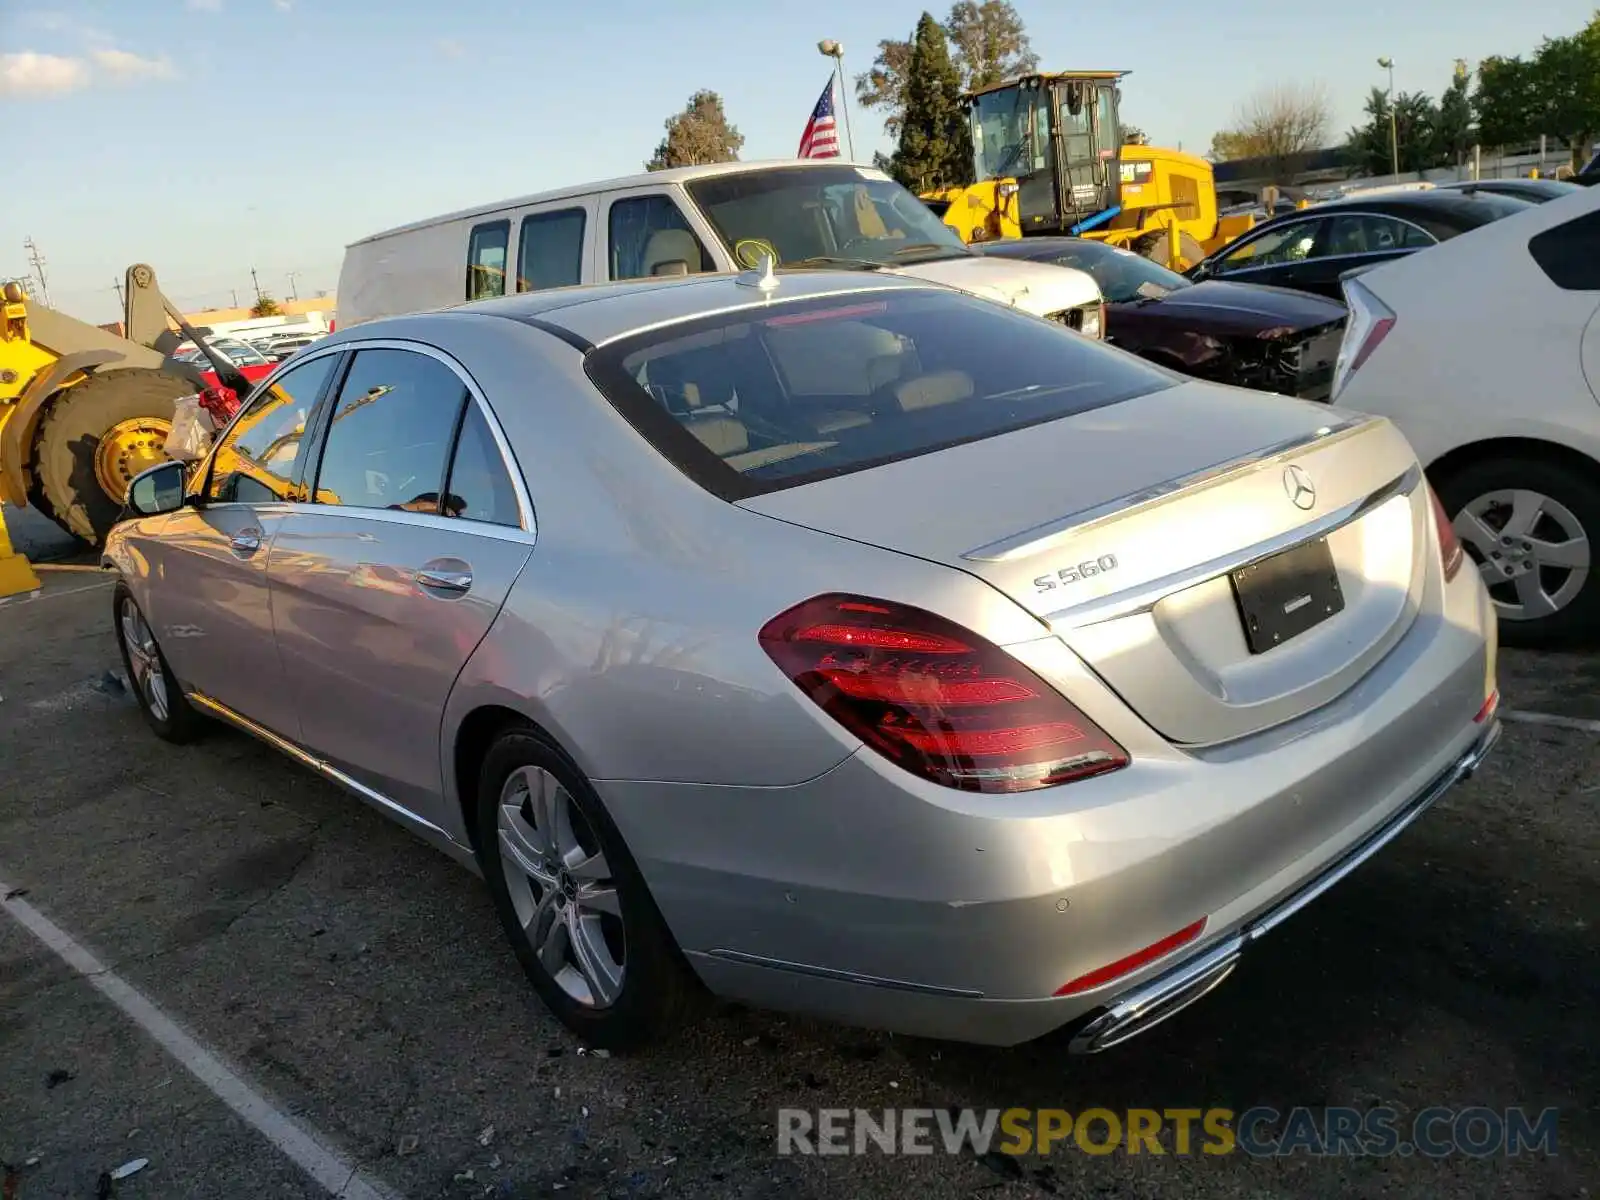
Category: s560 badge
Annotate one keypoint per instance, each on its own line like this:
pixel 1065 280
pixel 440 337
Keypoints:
pixel 1076 573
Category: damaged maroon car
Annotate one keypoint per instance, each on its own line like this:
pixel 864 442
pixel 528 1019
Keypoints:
pixel 1267 338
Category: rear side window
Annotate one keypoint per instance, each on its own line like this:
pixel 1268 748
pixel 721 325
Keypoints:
pixel 747 404
pixel 486 260
pixel 389 436
pixel 479 488
pixel 550 250
pixel 1569 253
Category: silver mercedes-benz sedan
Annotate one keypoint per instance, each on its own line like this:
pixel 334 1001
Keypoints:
pixel 825 641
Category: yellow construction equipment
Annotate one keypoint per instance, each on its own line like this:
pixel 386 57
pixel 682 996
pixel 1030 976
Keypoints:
pixel 82 411
pixel 16 576
pixel 1049 159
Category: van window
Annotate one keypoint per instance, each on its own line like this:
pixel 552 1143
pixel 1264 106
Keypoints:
pixel 649 236
pixel 550 250
pixel 746 404
pixel 486 260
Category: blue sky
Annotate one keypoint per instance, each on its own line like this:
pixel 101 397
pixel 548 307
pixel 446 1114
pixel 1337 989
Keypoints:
pixel 209 136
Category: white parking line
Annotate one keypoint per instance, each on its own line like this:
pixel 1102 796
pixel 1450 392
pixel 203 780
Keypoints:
pixel 335 1173
pixel 35 597
pixel 1551 719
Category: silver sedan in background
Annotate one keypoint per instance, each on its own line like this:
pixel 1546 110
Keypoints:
pixel 832 642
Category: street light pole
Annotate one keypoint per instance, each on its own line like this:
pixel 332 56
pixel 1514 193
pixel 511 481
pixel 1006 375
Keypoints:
pixel 829 48
pixel 1394 129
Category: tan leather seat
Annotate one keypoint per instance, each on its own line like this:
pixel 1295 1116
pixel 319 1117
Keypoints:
pixel 933 389
pixel 671 246
pixel 722 435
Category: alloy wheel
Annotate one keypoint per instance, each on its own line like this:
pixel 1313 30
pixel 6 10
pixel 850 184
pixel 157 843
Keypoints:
pixel 144 660
pixel 1532 552
pixel 561 887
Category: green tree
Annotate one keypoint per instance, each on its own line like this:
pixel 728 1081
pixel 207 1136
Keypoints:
pixel 1555 93
pixel 935 147
pixel 697 135
pixel 1453 132
pixel 1505 102
pixel 1132 135
pixel 1368 146
pixel 989 45
pixel 265 306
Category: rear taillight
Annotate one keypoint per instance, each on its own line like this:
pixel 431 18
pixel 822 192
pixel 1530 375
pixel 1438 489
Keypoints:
pixel 1450 552
pixel 1369 322
pixel 1101 976
pixel 936 698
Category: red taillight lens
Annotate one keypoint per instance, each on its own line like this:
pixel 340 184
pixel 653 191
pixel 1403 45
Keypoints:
pixel 1450 552
pixel 1374 339
pixel 1126 966
pixel 935 698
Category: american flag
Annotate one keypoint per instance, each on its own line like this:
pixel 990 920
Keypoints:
pixel 821 138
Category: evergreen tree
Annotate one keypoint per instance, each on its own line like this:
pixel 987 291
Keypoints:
pixel 935 145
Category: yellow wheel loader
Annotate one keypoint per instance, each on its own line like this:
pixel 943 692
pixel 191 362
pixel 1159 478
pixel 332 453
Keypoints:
pixel 1049 159
pixel 82 411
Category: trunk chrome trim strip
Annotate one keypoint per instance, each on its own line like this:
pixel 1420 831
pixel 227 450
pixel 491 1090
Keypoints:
pixel 306 759
pixel 1043 536
pixel 1146 596
pixel 876 981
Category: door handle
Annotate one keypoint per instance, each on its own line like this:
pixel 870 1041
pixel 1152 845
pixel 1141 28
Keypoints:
pixel 443 578
pixel 246 541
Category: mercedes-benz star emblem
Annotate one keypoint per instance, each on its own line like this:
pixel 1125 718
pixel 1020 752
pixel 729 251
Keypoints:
pixel 1298 486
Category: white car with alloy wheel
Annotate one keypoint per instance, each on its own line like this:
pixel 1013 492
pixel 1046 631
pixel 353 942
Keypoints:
pixel 1485 351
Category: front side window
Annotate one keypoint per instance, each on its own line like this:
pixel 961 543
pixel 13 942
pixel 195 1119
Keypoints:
pixel 1003 128
pixel 389 435
pixel 804 215
pixel 486 260
pixel 256 461
pixel 649 236
pixel 1288 243
pixel 550 250
pixel 748 403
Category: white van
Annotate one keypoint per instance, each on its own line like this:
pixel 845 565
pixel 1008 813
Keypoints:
pixel 721 217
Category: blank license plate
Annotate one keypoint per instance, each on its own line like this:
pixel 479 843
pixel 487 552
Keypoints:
pixel 1283 596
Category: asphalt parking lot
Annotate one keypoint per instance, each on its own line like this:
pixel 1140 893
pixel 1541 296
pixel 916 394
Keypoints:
pixel 355 981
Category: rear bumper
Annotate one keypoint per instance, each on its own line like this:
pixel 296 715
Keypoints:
pixel 1152 1002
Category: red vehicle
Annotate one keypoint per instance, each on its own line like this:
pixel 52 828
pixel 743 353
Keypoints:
pixel 252 364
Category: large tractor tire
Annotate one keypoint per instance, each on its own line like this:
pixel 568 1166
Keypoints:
pixel 95 438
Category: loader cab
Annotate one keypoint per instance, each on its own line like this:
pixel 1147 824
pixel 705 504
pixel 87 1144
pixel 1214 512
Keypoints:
pixel 1058 137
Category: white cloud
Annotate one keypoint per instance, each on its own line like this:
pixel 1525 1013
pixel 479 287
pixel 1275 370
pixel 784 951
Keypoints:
pixel 206 5
pixel 451 48
pixel 283 5
pixel 31 73
pixel 128 67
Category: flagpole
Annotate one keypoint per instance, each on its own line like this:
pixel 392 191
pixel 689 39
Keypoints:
pixel 835 51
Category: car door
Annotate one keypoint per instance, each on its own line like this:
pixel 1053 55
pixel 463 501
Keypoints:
pixel 384 584
pixel 1357 240
pixel 215 615
pixel 1275 256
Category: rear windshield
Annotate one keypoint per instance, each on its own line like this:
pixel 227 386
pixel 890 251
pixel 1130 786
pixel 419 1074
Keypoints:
pixel 747 403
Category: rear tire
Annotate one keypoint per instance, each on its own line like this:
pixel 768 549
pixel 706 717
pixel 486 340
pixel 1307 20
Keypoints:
pixel 70 460
pixel 572 901
pixel 1519 520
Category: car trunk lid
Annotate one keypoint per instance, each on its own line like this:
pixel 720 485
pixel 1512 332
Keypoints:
pixel 1152 536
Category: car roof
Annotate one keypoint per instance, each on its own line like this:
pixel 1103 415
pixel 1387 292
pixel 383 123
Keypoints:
pixel 594 314
pixel 647 179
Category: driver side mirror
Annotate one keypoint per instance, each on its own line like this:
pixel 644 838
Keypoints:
pixel 157 490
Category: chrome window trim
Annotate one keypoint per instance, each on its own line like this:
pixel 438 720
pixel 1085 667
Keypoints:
pixel 527 523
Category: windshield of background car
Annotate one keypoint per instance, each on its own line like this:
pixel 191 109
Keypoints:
pixel 757 400
pixel 822 212
pixel 1123 276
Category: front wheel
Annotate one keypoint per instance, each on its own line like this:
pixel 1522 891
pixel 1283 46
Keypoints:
pixel 572 900
pixel 160 698
pixel 1529 526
